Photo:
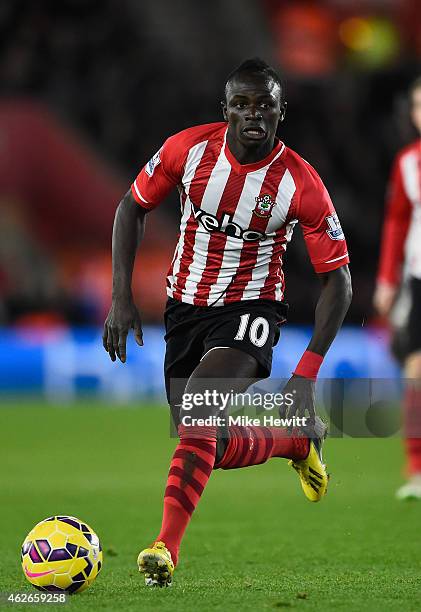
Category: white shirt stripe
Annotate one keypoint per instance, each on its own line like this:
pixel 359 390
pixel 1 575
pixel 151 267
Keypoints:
pixel 178 253
pixel 210 202
pixel 233 247
pixel 193 160
pixel 410 168
pixel 286 190
pixel 410 176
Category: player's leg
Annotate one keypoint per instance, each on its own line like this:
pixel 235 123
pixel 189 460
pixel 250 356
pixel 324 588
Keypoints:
pixel 184 349
pixel 192 464
pixel 254 328
pixel 227 370
pixel 412 427
pixel 412 398
pixel 255 444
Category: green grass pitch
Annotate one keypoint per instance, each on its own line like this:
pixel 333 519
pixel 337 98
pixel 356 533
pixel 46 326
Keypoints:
pixel 254 543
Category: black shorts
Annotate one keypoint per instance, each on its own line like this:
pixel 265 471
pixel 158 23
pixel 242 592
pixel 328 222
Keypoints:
pixel 407 338
pixel 252 326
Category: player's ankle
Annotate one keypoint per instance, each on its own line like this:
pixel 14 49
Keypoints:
pixel 301 448
pixel 172 548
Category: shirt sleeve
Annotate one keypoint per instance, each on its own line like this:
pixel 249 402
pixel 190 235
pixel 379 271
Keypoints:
pixel 323 235
pixel 161 174
pixel 395 229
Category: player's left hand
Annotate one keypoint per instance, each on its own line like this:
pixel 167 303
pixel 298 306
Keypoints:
pixel 304 399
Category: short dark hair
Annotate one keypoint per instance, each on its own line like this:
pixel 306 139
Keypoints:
pixel 255 65
pixel 416 84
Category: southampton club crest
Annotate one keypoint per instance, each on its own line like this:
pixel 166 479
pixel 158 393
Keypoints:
pixel 264 205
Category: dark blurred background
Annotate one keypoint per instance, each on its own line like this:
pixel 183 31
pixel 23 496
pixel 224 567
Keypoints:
pixel 91 88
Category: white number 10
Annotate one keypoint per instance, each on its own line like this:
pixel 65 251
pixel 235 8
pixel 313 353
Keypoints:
pixel 259 330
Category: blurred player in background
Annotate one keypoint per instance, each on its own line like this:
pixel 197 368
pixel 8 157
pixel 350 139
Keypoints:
pixel 400 267
pixel 241 191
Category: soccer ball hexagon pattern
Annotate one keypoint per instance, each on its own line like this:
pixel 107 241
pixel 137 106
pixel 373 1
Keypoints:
pixel 61 554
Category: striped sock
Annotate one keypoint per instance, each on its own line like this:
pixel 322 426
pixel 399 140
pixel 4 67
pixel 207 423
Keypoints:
pixel 412 426
pixel 189 473
pixel 254 445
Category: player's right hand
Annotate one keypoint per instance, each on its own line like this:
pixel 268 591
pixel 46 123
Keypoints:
pixel 122 317
pixel 384 298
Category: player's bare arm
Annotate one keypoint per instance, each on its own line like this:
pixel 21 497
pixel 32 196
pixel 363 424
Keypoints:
pixel 331 308
pixel 128 230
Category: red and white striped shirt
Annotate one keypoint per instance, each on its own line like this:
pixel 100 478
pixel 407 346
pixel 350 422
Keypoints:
pixel 401 241
pixel 236 219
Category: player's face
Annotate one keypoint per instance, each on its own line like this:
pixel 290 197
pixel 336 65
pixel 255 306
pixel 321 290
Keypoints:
pixel 416 108
pixel 253 110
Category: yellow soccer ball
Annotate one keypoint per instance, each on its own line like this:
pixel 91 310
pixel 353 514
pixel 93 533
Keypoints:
pixel 61 555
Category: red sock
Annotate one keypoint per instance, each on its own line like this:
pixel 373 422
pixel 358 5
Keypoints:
pixel 255 445
pixel 412 427
pixel 189 473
